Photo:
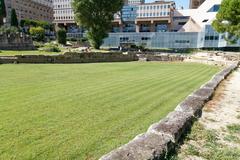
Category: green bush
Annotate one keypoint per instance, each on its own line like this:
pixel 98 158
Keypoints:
pixel 38 44
pixel 51 48
pixel 72 39
pixel 9 30
pixel 62 36
pixel 36 23
pixel 38 33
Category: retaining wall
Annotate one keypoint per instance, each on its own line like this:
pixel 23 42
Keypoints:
pixel 161 57
pixel 70 58
pixel 162 137
pixel 16 42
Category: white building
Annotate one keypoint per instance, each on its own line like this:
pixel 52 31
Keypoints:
pixel 130 2
pixel 63 12
pixel 191 29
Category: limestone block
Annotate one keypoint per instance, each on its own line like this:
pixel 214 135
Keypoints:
pixel 191 105
pixel 147 146
pixel 173 126
pixel 204 94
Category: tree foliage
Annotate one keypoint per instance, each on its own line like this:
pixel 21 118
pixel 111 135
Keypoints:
pixel 38 33
pixel 14 20
pixel 2 11
pixel 62 36
pixel 96 16
pixel 36 23
pixel 228 19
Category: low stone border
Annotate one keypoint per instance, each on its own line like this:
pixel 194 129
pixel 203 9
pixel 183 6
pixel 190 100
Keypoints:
pixel 162 137
pixel 70 57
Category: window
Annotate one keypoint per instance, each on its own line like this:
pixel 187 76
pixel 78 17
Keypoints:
pixel 124 39
pixel 214 8
pixel 205 20
pixel 182 41
pixel 211 38
pixel 181 23
pixel 145 38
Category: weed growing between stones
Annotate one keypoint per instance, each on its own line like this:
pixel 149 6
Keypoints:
pixel 205 144
pixel 234 128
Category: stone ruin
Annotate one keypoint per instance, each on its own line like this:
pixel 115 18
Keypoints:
pixel 17 41
pixel 163 137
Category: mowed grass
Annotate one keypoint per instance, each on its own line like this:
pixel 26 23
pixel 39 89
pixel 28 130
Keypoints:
pixel 83 111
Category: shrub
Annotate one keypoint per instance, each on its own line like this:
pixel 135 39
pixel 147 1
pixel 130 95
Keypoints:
pixel 38 44
pixel 9 30
pixel 62 36
pixel 36 23
pixel 51 48
pixel 72 39
pixel 38 33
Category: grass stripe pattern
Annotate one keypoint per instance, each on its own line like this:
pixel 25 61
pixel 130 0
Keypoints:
pixel 82 111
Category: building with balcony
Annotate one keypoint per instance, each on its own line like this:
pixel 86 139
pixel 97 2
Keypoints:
pixel 190 28
pixel 64 17
pixel 30 9
pixel 134 2
pixel 145 17
pixel 154 25
pixel 195 3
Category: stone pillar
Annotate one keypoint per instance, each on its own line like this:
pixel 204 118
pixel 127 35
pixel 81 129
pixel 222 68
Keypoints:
pixel 137 28
pixel 120 27
pixel 152 27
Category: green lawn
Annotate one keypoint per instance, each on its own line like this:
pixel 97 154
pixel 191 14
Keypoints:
pixel 33 52
pixel 82 111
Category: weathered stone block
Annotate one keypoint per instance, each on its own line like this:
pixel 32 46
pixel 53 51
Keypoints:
pixel 204 94
pixel 173 126
pixel 218 79
pixel 211 85
pixel 147 146
pixel 225 72
pixel 191 105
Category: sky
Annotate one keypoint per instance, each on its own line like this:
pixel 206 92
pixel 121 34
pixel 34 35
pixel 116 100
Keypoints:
pixel 179 3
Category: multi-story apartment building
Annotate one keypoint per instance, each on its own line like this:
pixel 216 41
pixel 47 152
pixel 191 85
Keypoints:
pixel 64 17
pixel 134 1
pixel 31 9
pixel 191 28
pixel 145 17
pixel 195 3
pixel 154 25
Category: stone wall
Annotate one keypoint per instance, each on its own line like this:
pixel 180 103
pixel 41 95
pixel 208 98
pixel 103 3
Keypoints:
pixel 70 58
pixel 161 57
pixel 163 136
pixel 16 42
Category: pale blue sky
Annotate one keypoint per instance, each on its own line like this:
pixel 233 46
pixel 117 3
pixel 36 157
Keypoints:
pixel 179 3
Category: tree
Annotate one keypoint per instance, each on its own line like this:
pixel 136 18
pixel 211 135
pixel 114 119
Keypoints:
pixel 38 33
pixel 62 36
pixel 14 20
pixel 2 11
pixel 228 19
pixel 96 16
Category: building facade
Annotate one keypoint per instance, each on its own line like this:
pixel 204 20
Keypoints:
pixel 134 2
pixel 191 28
pixel 64 17
pixel 31 9
pixel 153 25
pixel 195 3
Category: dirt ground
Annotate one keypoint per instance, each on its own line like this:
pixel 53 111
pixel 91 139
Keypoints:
pixel 216 135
